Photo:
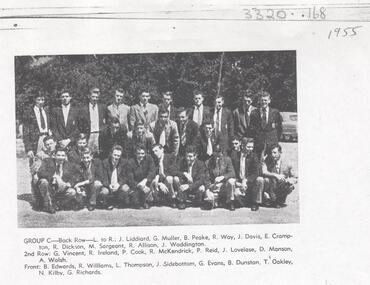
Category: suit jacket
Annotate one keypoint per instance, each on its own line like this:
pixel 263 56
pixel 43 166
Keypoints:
pixel 198 173
pixel 172 136
pixel 137 172
pixel 136 113
pixel 105 172
pixel 132 141
pixel 203 142
pixel 252 166
pixel 206 113
pixel 48 168
pixel 95 170
pixel 269 166
pixel 173 111
pixel 222 167
pixel 84 118
pixel 266 134
pixel 59 129
pixel 227 127
pixel 169 166
pixel 121 113
pixel 31 132
pixel 242 122
pixel 191 135
pixel 74 156
pixel 107 140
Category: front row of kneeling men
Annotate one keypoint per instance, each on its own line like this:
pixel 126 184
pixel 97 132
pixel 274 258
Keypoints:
pixel 237 180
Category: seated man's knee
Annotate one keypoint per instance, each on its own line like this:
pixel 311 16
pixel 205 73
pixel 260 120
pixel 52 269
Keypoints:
pixel 97 184
pixel 260 181
pixel 104 191
pixel 125 188
pixel 169 179
pixel 231 181
pixel 70 192
pixel 176 180
pixel 43 182
pixel 202 188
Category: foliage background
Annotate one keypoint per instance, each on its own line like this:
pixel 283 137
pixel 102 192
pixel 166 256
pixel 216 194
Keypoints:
pixel 182 73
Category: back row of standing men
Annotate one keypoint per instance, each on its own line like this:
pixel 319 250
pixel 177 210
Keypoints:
pixel 176 131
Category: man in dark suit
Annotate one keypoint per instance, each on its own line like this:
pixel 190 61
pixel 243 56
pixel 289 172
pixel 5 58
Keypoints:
pixel 165 184
pixel 64 121
pixel 223 123
pixel 74 154
pixel 222 178
pixel 247 171
pixel 167 103
pixel 89 186
pixel 279 177
pixel 242 115
pixel 144 111
pixel 36 127
pixel 93 118
pixel 188 131
pixel 199 113
pixel 139 135
pixel 140 174
pixel 113 180
pixel 193 178
pixel 165 132
pixel 57 178
pixel 207 141
pixel 115 134
pixel 266 124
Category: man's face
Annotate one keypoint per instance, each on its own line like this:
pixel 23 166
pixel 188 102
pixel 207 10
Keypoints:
pixel 86 158
pixel 40 102
pixel 190 157
pixel 94 97
pixel 219 103
pixel 158 152
pixel 118 97
pixel 140 130
pixel 167 100
pixel 275 154
pixel 183 118
pixel 60 156
pixel 115 127
pixel 198 99
pixel 209 129
pixel 65 98
pixel 248 147
pixel 235 145
pixel 247 101
pixel 144 98
pixel 140 154
pixel 163 118
pixel 264 101
pixel 50 145
pixel 81 144
pixel 116 155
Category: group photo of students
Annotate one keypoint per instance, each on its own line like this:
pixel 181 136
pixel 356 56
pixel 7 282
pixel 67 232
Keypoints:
pixel 107 154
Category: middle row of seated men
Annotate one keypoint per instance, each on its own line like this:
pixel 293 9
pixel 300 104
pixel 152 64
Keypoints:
pixel 71 180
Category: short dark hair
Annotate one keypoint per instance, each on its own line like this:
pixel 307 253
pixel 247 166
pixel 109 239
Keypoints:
pixel 247 93
pixel 60 148
pixel 198 92
pixel 64 91
pixel 139 123
pixel 278 146
pixel 162 111
pixel 39 94
pixel 120 90
pixel 48 138
pixel 140 146
pixel 263 93
pixel 191 149
pixel 117 147
pixel 82 136
pixel 182 109
pixel 86 150
pixel 235 138
pixel 94 90
pixel 168 93
pixel 246 140
pixel 157 145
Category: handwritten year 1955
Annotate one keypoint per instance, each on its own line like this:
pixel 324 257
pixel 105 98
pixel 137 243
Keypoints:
pixel 344 32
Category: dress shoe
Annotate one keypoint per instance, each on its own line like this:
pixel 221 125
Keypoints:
pixel 254 207
pixel 146 206
pixel 208 206
pixel 231 206
pixel 110 207
pixel 173 205
pixel 50 210
pixel 90 208
pixel 181 206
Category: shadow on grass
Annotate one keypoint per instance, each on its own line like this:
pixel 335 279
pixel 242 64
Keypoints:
pixel 25 197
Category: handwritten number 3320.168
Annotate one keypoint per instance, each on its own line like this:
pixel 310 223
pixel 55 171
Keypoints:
pixel 344 32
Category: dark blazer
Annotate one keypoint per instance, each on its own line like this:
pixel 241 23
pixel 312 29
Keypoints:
pixel 107 140
pixel 191 135
pixel 31 132
pixel 74 156
pixel 59 129
pixel 105 173
pixel 225 168
pixel 173 112
pixel 206 113
pixel 252 166
pixel 203 142
pixel 199 173
pixel 227 127
pixel 95 170
pixel 265 134
pixel 84 118
pixel 172 136
pixel 169 166
pixel 48 168
pixel 137 172
pixel 242 122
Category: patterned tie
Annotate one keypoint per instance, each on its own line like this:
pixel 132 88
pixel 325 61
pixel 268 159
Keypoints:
pixel 183 135
pixel 42 120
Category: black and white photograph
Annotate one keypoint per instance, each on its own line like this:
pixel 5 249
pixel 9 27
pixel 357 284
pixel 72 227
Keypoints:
pixel 157 139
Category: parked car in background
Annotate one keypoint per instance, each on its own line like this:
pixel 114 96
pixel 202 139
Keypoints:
pixel 290 120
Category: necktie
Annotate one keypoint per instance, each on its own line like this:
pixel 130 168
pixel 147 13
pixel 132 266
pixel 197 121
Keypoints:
pixel 199 116
pixel 209 147
pixel 242 166
pixel 183 135
pixel 162 138
pixel 264 117
pixel 60 170
pixel 246 116
pixel 218 121
pixel 42 120
pixel 161 168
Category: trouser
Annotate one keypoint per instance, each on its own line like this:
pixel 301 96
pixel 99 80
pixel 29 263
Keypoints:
pixel 166 189
pixel 136 196
pixel 198 194
pixel 93 143
pixel 121 197
pixel 92 191
pixel 254 191
pixel 277 190
pixel 220 191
